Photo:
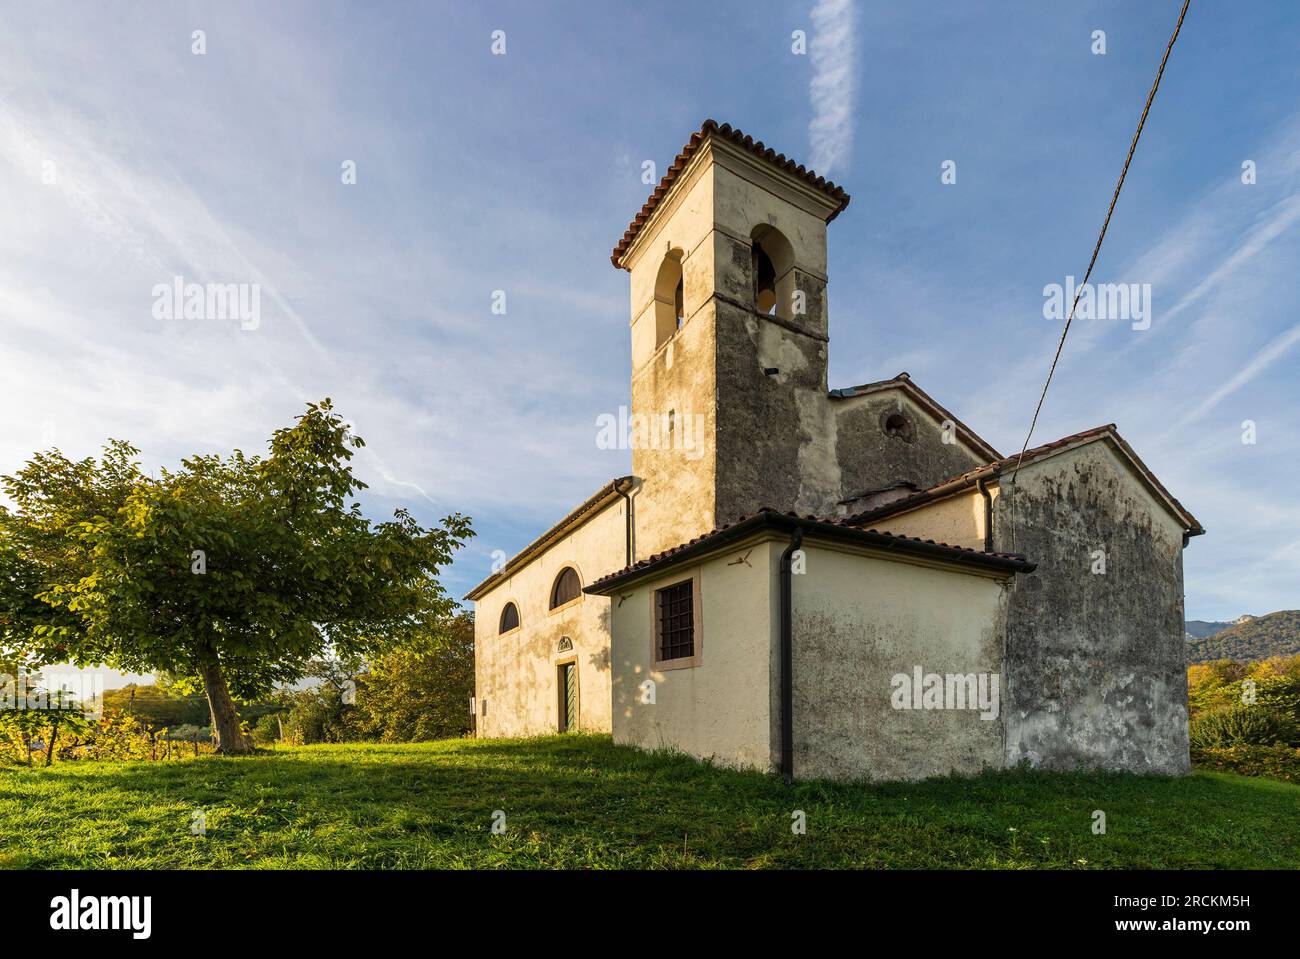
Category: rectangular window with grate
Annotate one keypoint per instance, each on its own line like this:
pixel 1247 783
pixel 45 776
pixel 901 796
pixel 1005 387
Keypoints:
pixel 675 621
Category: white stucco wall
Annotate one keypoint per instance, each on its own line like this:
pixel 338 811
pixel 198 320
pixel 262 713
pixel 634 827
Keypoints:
pixel 957 520
pixel 860 619
pixel 718 709
pixel 516 673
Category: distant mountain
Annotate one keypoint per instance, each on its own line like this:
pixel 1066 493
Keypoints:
pixel 1200 628
pixel 1249 638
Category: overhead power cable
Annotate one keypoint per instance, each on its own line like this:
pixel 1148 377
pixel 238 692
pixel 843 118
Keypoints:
pixel 1101 236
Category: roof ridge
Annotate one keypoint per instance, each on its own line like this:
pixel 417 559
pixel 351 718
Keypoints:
pixel 964 479
pixel 663 556
pixel 524 555
pixel 725 131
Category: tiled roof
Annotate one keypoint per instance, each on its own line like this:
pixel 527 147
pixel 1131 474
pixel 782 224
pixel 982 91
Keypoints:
pixel 1001 466
pixel 926 402
pixel 727 132
pixel 592 505
pixel 816 525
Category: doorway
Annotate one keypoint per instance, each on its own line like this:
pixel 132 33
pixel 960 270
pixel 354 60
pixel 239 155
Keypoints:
pixel 567 674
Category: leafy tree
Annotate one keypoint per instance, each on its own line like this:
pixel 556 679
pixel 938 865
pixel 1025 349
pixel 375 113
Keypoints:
pixel 319 713
pixel 231 574
pixel 417 694
pixel 1273 682
pixel 43 714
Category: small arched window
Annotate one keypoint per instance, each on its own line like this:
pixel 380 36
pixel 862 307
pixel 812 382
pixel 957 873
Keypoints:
pixel 567 587
pixel 772 260
pixel 670 306
pixel 509 618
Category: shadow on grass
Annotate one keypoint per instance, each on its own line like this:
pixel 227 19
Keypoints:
pixel 580 801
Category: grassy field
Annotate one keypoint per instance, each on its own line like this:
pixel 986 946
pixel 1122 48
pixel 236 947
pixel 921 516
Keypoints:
pixel 580 801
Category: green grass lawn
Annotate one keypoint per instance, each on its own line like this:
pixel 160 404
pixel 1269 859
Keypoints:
pixel 580 801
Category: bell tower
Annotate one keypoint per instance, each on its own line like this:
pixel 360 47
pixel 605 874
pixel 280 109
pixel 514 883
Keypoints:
pixel 729 334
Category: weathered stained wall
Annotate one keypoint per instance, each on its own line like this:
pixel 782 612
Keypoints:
pixel 1095 662
pixel 751 387
pixel 676 378
pixel 871 459
pixel 718 709
pixel 515 673
pixel 775 436
pixel 859 620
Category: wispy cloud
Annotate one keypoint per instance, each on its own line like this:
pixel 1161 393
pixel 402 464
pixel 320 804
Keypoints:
pixel 834 59
pixel 1261 361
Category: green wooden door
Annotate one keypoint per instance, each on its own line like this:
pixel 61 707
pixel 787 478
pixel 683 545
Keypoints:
pixel 568 697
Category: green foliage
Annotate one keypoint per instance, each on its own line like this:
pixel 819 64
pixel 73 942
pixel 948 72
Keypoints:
pixel 1243 726
pixel 267 730
pixel 414 696
pixel 188 733
pixel 318 715
pixel 1275 683
pixel 1277 634
pixel 1272 762
pixel 157 707
pixel 235 571
pixel 37 721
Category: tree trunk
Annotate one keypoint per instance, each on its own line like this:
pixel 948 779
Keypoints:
pixel 49 753
pixel 231 740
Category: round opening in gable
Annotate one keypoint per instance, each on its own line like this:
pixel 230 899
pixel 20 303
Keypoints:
pixel 896 424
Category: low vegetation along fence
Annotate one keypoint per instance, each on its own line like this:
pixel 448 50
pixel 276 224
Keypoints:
pixel 113 738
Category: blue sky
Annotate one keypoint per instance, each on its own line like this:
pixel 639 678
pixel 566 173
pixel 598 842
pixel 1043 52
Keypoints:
pixel 478 173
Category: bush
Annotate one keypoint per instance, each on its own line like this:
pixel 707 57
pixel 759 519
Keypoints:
pixel 418 695
pixel 189 733
pixel 267 730
pixel 1242 726
pixel 1275 683
pixel 1273 762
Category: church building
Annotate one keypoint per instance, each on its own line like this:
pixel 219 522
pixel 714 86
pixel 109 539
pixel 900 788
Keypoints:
pixel 844 583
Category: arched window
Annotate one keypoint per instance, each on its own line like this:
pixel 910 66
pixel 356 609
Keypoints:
pixel 567 587
pixel 509 618
pixel 772 259
pixel 670 307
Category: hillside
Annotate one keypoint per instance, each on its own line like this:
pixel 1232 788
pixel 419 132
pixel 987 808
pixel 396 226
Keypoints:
pixel 1202 628
pixel 1277 634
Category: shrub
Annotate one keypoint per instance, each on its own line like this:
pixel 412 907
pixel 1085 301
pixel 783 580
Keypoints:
pixel 189 733
pixel 267 730
pixel 1242 726
pixel 1216 685
pixel 1273 762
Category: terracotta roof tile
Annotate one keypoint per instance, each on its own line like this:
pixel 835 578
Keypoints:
pixel 969 478
pixel 727 132
pixel 580 514
pixel 925 401
pixel 866 536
